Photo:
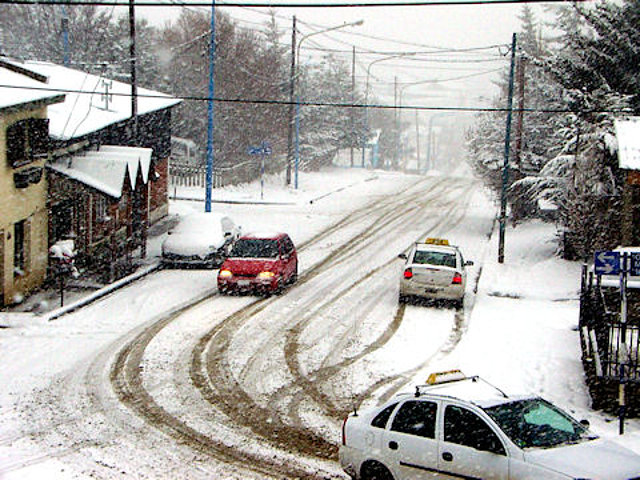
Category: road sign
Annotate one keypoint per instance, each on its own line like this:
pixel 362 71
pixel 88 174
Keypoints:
pixel 634 268
pixel 263 149
pixel 606 263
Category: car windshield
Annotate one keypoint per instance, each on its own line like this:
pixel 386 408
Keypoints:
pixel 537 423
pixel 255 248
pixel 445 259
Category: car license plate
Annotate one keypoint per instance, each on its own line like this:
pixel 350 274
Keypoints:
pixel 243 283
pixel 430 290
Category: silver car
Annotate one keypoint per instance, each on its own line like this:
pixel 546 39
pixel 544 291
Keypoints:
pixel 434 270
pixel 463 427
pixel 200 240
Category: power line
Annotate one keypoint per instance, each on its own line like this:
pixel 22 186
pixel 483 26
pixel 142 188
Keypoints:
pixel 323 104
pixel 364 4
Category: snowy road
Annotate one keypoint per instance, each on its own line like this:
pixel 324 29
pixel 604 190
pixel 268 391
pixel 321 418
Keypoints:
pixel 245 387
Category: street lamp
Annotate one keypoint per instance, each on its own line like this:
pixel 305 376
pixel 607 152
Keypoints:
pixel 400 102
pixel 294 84
pixel 337 27
pixel 366 93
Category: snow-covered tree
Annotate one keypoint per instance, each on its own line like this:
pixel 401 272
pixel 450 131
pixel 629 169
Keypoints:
pixel 325 129
pixel 575 83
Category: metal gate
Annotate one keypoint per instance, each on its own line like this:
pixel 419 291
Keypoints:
pixel 622 352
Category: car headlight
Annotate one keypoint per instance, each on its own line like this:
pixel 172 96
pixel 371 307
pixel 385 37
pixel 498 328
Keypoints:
pixel 225 273
pixel 266 275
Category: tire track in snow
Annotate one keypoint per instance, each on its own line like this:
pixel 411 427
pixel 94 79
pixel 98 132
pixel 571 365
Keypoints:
pixel 219 369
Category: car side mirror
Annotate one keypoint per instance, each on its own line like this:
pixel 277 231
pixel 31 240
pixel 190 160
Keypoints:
pixel 585 423
pixel 403 256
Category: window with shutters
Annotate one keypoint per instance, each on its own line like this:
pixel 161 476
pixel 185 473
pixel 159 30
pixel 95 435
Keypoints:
pixel 27 140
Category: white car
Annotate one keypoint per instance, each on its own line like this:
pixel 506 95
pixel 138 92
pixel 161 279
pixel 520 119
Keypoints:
pixel 463 427
pixel 200 240
pixel 434 270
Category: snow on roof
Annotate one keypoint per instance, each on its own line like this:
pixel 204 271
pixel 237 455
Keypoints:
pixel 11 96
pixel 91 102
pixel 628 134
pixel 105 169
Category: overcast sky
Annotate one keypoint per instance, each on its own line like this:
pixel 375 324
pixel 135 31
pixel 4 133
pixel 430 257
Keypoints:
pixel 463 78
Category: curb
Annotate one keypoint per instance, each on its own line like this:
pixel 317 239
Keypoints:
pixel 260 202
pixel 54 314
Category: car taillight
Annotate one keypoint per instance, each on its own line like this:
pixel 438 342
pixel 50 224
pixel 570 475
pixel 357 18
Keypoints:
pixel 344 431
pixel 408 273
pixel 457 279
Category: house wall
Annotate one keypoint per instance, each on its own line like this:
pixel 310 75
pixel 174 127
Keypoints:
pixel 102 243
pixel 16 205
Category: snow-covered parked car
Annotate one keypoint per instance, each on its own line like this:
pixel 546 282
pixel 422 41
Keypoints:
pixel 463 427
pixel 200 240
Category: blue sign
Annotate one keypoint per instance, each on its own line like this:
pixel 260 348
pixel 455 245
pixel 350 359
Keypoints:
pixel 264 149
pixel 606 263
pixel 634 269
pixel 610 263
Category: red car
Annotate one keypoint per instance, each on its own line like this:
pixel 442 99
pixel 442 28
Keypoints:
pixel 263 263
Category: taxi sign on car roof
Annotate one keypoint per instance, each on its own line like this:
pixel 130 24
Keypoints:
pixel 436 241
pixel 445 377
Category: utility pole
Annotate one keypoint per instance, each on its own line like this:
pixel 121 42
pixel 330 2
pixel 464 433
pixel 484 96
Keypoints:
pixel 353 99
pixel 396 136
pixel 132 60
pixel 210 111
pixel 507 145
pixel 65 36
pixel 417 142
pixel 292 94
pixel 143 222
pixel 521 64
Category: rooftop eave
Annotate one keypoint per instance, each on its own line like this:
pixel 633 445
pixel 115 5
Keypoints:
pixel 33 104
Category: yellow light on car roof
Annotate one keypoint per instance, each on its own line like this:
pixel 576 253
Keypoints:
pixel 437 241
pixel 444 377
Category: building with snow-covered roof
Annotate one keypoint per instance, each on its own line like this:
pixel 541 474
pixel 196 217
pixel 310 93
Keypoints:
pixel 107 170
pixel 24 150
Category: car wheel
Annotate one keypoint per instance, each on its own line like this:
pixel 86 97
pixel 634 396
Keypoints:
pixel 402 299
pixel 375 471
pixel 294 276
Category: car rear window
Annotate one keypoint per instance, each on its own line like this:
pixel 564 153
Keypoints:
pixel 255 248
pixel 380 421
pixel 435 258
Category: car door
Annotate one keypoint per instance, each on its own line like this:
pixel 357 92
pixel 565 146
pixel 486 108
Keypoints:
pixel 470 448
pixel 410 441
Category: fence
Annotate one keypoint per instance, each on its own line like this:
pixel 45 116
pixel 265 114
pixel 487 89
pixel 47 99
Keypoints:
pixel 610 348
pixel 183 174
pixel 189 175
